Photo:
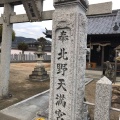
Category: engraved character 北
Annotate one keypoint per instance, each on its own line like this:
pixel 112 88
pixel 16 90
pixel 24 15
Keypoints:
pixel 62 54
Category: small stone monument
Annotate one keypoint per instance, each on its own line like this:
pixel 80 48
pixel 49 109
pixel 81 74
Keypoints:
pixel 103 99
pixel 39 73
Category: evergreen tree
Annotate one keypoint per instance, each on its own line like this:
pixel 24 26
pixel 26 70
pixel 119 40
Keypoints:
pixel 42 42
pixel 23 46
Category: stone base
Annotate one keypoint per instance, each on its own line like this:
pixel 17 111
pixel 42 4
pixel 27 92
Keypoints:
pixel 39 74
pixel 38 80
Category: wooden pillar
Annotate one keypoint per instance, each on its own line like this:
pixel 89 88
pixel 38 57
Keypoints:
pixel 102 59
pixel 6 50
pixel 115 65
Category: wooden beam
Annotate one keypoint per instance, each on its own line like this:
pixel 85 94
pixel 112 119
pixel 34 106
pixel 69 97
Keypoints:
pixel 46 15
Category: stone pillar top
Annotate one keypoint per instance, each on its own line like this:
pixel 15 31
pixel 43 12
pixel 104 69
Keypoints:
pixel 13 2
pixel 85 3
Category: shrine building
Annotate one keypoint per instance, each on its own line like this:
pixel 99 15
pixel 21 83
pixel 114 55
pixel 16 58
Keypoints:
pixel 103 34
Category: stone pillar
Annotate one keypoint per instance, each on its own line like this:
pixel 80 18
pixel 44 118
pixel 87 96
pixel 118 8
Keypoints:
pixel 68 62
pixel 6 50
pixel 103 99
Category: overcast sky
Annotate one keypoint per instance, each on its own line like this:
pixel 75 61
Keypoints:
pixel 36 29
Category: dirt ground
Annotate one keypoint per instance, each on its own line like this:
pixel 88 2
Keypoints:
pixel 21 88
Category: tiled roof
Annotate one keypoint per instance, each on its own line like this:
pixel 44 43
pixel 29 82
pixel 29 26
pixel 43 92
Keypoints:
pixel 104 24
pixel 101 24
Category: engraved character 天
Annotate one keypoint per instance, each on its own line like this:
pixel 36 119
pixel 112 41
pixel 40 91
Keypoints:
pixel 61 68
pixel 63 37
pixel 60 100
pixel 62 54
pixel 61 84
pixel 60 114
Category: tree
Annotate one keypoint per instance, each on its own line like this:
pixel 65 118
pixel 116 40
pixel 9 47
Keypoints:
pixel 42 42
pixel 23 46
pixel 13 34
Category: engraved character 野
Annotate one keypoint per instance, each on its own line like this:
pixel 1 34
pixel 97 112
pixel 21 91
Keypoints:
pixel 61 68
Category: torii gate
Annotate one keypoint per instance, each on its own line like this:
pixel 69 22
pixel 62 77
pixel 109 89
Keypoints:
pixel 34 10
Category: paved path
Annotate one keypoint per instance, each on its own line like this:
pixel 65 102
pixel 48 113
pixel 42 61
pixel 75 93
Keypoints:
pixel 6 117
pixel 27 109
pixel 98 74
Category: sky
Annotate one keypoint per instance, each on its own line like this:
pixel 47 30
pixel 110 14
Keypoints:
pixel 36 29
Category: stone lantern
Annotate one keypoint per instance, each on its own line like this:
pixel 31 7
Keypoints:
pixel 39 54
pixel 39 73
